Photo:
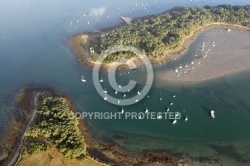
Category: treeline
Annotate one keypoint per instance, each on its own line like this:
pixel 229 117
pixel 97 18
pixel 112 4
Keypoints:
pixel 166 31
pixel 52 123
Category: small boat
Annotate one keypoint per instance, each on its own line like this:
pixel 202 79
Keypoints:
pixel 212 114
pixel 176 70
pixel 82 79
pixel 186 66
pixel 101 80
pixel 161 99
pixel 174 96
pixel 140 117
pixel 116 92
pixel 124 95
pixel 138 93
pixel 174 122
pixel 146 111
pixel 120 86
pixel 171 103
pixel 192 63
pixel 105 91
pixel 168 109
pixel 180 67
pixel 159 117
pixel 147 96
pixel 105 97
pixel 186 118
pixel 136 100
pixel 118 102
pixel 122 111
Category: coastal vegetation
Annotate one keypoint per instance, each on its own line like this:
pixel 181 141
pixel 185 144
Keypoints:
pixel 159 34
pixel 55 139
pixel 33 147
pixel 52 124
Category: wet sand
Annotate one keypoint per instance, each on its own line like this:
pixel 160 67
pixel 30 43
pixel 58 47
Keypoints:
pixel 223 53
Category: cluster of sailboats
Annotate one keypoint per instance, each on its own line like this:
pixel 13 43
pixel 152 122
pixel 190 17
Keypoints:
pixel 179 68
pixel 212 112
pixel 159 116
pixel 84 18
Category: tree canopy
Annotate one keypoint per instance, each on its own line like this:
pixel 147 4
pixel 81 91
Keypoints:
pixel 159 33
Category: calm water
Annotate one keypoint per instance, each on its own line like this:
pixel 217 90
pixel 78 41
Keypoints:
pixel 34 52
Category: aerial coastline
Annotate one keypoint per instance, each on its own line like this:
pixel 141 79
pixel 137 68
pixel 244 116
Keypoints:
pixel 98 151
pixel 80 45
pixel 224 53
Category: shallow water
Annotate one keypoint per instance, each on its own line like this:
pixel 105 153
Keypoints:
pixel 33 52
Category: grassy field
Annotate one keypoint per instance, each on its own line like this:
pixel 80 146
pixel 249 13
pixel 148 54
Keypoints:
pixel 53 158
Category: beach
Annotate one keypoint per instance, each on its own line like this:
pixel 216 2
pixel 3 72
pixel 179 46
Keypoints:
pixel 210 61
pixel 221 53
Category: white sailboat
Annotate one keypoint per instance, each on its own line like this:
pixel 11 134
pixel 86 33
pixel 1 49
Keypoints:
pixel 171 103
pixel 118 102
pixel 105 97
pixel 124 95
pixel 212 114
pixel 146 111
pixel 116 92
pixel 174 122
pixel 101 80
pixel 186 119
pixel 122 111
pixel 83 79
pixel 105 91
pixel 159 117
pixel 138 93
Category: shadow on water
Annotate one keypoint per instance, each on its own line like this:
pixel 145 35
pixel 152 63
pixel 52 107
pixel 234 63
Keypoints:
pixel 206 110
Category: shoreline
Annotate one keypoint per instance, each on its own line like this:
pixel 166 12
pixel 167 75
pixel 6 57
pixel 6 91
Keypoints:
pixel 12 142
pixel 225 54
pixel 101 151
pixel 77 47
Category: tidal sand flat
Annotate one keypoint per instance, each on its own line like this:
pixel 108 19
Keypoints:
pixel 223 50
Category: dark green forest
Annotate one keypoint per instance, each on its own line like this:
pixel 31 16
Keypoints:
pixel 160 33
pixel 52 123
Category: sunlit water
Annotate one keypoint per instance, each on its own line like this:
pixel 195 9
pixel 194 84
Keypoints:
pixel 34 53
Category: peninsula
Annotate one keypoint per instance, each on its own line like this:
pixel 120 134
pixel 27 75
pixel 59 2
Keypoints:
pixel 49 136
pixel 161 36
